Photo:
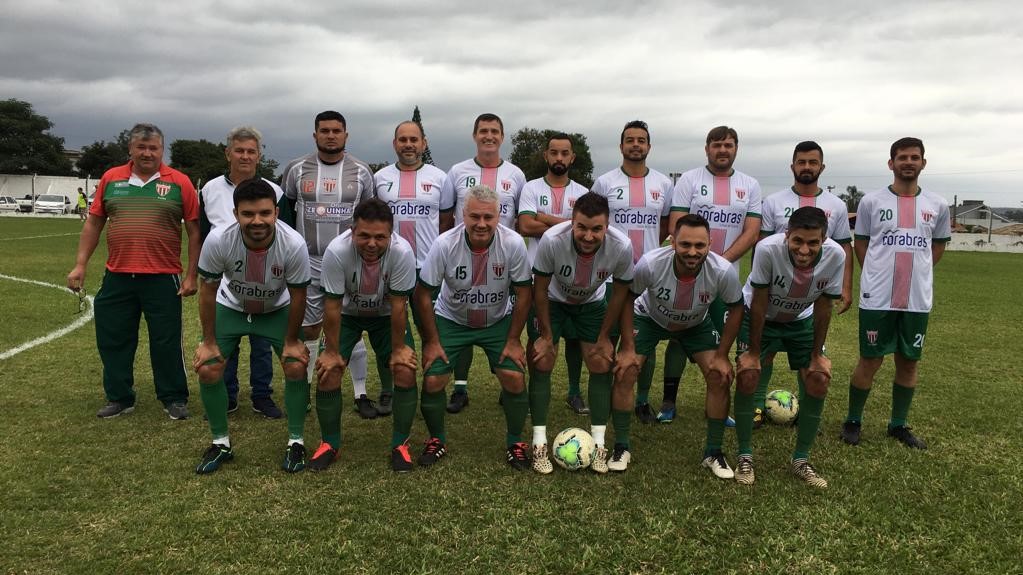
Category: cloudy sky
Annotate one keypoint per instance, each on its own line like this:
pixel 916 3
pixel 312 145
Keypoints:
pixel 854 78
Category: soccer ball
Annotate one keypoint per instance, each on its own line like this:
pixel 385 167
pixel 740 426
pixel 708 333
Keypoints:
pixel 573 449
pixel 782 407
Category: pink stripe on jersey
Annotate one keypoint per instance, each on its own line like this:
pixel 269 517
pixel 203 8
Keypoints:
pixel 807 201
pixel 583 270
pixel 722 191
pixel 407 231
pixel 477 318
pixel 902 280
pixel 488 177
pixel 557 200
pixel 684 290
pixel 802 279
pixel 407 185
pixel 907 212
pixel 253 305
pixel 370 280
pixel 637 192
pixel 255 266
pixel 636 237
pixel 717 240
pixel 479 268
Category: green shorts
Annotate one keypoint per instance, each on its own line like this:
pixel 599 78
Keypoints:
pixel 456 338
pixel 571 321
pixel 883 332
pixel 379 330
pixel 795 338
pixel 233 325
pixel 693 340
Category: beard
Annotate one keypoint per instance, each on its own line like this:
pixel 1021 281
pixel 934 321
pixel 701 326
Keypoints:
pixel 558 169
pixel 331 151
pixel 806 177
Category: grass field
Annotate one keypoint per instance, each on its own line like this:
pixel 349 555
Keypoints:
pixel 83 495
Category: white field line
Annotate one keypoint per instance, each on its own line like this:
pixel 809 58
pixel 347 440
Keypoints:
pixel 83 319
pixel 36 238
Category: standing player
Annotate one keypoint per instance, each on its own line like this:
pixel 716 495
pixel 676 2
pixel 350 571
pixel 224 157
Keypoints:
pixel 674 287
pixel 546 202
pixel 255 273
pixel 789 293
pixel 489 169
pixel 640 200
pixel 730 201
pixel 901 234
pixel 476 265
pixel 807 165
pixel 374 270
pixel 572 264
pixel 324 188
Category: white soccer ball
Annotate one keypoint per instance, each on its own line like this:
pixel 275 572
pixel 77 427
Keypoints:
pixel 573 449
pixel 782 407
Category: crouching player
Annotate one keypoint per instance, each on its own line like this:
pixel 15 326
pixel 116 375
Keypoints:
pixel 673 289
pixel 255 274
pixel 368 274
pixel 573 262
pixel 789 294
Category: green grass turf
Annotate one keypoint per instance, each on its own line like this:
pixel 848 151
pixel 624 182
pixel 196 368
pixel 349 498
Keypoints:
pixel 83 495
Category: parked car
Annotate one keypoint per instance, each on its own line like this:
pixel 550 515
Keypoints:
pixel 25 204
pixel 8 204
pixel 52 204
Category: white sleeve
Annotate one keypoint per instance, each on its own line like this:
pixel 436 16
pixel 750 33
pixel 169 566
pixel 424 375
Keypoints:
pixel 332 272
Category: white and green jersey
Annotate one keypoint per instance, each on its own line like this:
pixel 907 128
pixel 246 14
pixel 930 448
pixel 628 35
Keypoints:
pixel 475 285
pixel 792 290
pixel 637 206
pixel 254 281
pixel 415 197
pixel 724 201
pixel 539 197
pixel 779 206
pixel 366 287
pixel 325 197
pixel 506 179
pixel 676 303
pixel 577 278
pixel 898 271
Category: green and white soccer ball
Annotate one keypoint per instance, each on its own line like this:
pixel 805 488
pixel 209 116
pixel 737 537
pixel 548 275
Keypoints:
pixel 573 449
pixel 782 407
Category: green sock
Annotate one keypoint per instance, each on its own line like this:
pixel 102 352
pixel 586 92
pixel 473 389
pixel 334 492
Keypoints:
pixel 574 360
pixel 386 378
pixel 857 401
pixel 214 401
pixel 296 397
pixel 902 397
pixel 760 395
pixel 539 396
pixel 432 406
pixel 600 398
pixel 715 436
pixel 810 409
pixel 516 408
pixel 328 412
pixel 622 419
pixel 405 399
pixel 462 366
pixel 674 365
pixel 744 422
pixel 646 380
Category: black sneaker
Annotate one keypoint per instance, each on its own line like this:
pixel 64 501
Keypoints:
pixel 365 406
pixel 176 410
pixel 645 413
pixel 459 401
pixel 266 407
pixel 401 459
pixel 851 432
pixel 232 404
pixel 576 404
pixel 215 455
pixel 294 458
pixel 113 409
pixel 432 453
pixel 904 435
pixel 518 456
pixel 384 405
pixel 323 457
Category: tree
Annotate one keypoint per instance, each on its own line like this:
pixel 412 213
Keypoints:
pixel 98 157
pixel 528 145
pixel 25 147
pixel 1014 215
pixel 851 197
pixel 417 118
pixel 376 167
pixel 202 160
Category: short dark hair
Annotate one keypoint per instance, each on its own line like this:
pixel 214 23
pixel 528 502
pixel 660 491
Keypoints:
pixel 809 218
pixel 254 189
pixel 373 210
pixel 560 136
pixel 691 221
pixel 328 115
pixel 807 146
pixel 722 133
pixel 487 117
pixel 635 124
pixel 591 205
pixel 907 142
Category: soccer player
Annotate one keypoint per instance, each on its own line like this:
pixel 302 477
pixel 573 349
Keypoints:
pixel 640 200
pixel 572 264
pixel 730 201
pixel 216 209
pixel 546 202
pixel 324 187
pixel 807 165
pixel 476 265
pixel 789 295
pixel 368 274
pixel 901 234
pixel 489 169
pixel 145 202
pixel 673 290
pixel 255 274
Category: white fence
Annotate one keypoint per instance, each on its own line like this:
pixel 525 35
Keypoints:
pixel 18 186
pixel 980 243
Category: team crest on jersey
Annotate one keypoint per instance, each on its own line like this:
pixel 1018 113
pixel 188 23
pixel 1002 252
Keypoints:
pixel 927 215
pixel 276 270
pixel 427 187
pixel 602 275
pixel 328 184
pixel 740 193
pixel 655 194
pixel 871 336
pixel 571 202
pixel 506 184
pixel 827 214
pixel 162 189
pixel 821 284
pixel 308 186
pixel 498 270
pixel 705 297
